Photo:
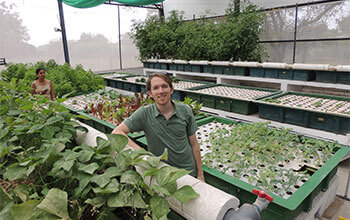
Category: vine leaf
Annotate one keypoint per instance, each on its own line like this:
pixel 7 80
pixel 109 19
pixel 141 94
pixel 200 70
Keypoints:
pixel 159 206
pixel 185 194
pixel 56 203
pixel 118 141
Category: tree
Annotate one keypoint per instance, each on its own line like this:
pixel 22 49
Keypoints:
pixel 13 35
pixel 312 20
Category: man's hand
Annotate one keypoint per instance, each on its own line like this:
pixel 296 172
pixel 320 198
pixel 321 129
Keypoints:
pixel 200 176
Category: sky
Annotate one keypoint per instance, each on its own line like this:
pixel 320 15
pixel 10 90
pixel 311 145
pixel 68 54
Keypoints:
pixel 42 16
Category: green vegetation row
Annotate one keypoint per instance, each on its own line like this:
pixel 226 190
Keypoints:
pixel 44 174
pixel 65 79
pixel 260 153
pixel 234 37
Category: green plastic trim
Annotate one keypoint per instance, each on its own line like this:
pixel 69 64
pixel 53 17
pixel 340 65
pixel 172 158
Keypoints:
pixel 108 125
pixel 71 109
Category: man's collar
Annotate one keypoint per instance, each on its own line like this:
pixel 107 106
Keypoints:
pixel 157 112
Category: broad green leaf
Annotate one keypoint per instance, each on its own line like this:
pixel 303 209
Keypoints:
pixel 143 163
pixel 59 147
pixel 53 120
pixel 43 215
pixel 14 113
pixel 96 201
pixel 70 155
pixel 85 155
pixel 164 155
pixel 56 203
pixel 119 199
pixel 66 165
pixel 113 172
pixel 112 187
pixel 47 133
pixel 4 132
pixel 185 194
pixel 22 191
pixel 15 172
pixel 84 180
pixel 154 161
pixel 4 198
pixel 72 123
pixel 178 174
pixel 160 206
pixel 101 180
pixel 161 190
pixel 131 177
pixel 101 144
pixel 90 169
pixel 64 134
pixel 151 172
pixel 27 107
pixel 35 128
pixel 14 138
pixel 5 212
pixel 162 177
pixel 171 187
pixel 136 200
pixel 24 210
pixel 118 141
pixel 82 129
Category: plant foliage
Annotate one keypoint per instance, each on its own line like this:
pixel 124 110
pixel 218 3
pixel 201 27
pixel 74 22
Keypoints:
pixel 44 175
pixel 65 79
pixel 235 38
pixel 261 155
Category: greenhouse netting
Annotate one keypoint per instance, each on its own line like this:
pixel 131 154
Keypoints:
pixel 93 3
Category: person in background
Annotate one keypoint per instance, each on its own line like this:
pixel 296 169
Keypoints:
pixel 42 86
pixel 167 125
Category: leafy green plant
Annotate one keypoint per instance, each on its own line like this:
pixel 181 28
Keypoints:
pixel 173 38
pixel 194 105
pixel 317 104
pixel 65 79
pixel 115 111
pixel 48 177
pixel 258 153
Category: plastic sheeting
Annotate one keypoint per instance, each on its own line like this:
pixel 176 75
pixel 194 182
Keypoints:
pixel 93 3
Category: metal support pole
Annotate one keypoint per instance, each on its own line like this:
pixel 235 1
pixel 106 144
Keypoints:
pixel 63 31
pixel 161 11
pixel 295 31
pixel 120 43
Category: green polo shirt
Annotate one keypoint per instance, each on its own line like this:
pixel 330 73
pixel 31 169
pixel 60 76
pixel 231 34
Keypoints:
pixel 171 134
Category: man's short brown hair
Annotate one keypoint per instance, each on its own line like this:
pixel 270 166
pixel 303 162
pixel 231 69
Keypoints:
pixel 163 76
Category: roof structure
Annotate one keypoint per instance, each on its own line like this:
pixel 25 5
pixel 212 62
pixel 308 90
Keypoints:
pixel 93 3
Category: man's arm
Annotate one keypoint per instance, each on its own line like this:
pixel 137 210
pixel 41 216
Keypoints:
pixel 123 130
pixel 197 156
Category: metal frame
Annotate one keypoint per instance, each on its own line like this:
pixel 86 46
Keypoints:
pixel 108 2
pixel 294 40
pixel 3 61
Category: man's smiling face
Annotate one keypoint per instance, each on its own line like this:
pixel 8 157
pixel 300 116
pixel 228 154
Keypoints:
pixel 160 91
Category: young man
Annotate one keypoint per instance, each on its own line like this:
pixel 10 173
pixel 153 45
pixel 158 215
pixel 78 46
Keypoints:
pixel 167 125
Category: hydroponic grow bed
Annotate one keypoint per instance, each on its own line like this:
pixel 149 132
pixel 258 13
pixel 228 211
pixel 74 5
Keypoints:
pixel 239 157
pixel 229 98
pixel 324 112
